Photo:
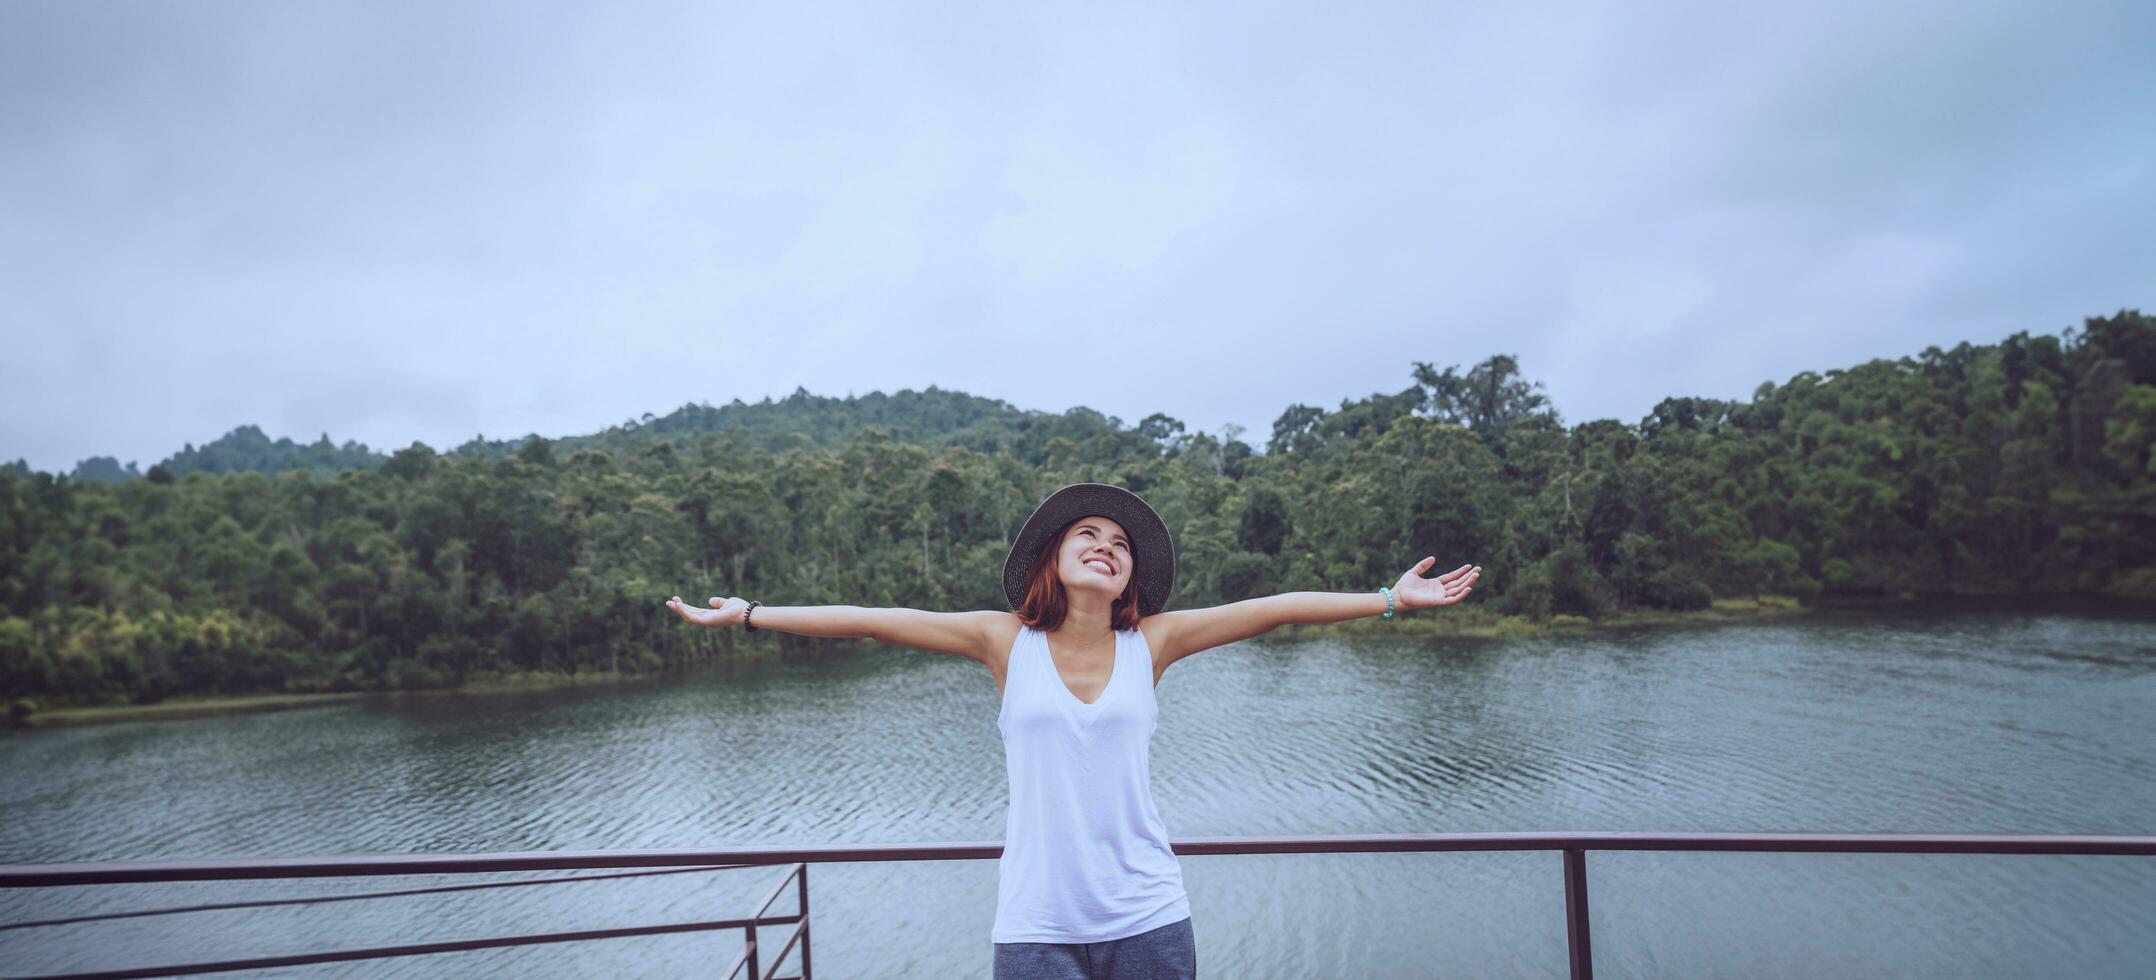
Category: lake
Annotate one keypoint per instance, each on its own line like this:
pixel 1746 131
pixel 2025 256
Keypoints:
pixel 1973 717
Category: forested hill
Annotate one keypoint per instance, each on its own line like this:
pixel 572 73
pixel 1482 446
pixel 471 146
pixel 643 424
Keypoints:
pixel 2016 467
pixel 932 418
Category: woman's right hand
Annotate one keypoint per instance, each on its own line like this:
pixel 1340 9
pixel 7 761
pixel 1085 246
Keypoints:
pixel 724 611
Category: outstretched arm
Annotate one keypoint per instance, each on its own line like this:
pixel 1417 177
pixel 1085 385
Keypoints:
pixel 966 634
pixel 1187 631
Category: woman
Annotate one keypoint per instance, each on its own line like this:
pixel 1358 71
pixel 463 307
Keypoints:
pixel 1087 886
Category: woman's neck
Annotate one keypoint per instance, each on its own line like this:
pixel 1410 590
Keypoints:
pixel 1087 621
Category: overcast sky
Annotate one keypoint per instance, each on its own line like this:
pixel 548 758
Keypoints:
pixel 426 221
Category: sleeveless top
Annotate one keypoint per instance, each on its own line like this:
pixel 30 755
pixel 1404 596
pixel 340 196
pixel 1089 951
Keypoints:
pixel 1085 855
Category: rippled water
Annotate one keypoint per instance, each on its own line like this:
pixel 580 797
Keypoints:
pixel 2034 720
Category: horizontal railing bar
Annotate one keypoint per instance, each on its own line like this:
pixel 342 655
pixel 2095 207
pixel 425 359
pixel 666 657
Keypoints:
pixel 1734 842
pixel 321 899
pixel 420 949
pixel 45 875
pixel 370 865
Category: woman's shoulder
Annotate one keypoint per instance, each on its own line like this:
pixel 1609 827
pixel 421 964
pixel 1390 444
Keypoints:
pixel 1004 626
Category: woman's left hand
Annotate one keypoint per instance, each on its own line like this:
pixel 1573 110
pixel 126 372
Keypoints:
pixel 1416 592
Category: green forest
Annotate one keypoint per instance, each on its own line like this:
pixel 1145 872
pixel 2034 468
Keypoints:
pixel 250 566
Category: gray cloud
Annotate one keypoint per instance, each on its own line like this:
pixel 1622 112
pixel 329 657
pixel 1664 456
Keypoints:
pixel 403 221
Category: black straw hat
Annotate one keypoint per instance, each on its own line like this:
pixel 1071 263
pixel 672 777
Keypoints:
pixel 1152 551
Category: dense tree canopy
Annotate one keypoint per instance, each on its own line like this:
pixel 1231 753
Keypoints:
pixel 248 565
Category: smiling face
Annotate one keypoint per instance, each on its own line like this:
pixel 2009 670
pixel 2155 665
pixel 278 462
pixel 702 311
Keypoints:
pixel 1094 557
pixel 1072 563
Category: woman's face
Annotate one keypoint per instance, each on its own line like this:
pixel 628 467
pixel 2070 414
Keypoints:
pixel 1088 545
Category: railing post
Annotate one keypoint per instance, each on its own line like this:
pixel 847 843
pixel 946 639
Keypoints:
pixel 750 937
pixel 805 974
pixel 1583 960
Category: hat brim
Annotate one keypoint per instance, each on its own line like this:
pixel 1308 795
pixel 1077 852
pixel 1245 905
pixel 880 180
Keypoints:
pixel 1152 550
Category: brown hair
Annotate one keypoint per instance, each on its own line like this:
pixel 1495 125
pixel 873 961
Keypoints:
pixel 1046 601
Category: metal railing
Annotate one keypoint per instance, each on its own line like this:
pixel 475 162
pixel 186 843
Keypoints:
pixel 797 874
pixel 1573 847
pixel 800 876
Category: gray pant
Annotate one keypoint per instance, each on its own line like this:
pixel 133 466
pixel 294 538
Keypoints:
pixel 1167 953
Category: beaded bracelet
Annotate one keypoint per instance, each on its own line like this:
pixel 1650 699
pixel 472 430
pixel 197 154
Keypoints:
pixel 1388 600
pixel 745 624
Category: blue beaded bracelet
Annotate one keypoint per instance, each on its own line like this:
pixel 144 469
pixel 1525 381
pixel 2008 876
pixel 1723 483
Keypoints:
pixel 1388 600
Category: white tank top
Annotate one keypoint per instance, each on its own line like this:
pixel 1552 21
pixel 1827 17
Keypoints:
pixel 1085 855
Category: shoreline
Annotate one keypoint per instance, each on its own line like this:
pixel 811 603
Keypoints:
pixel 1469 623
pixel 1477 624
pixel 1463 623
pixel 240 704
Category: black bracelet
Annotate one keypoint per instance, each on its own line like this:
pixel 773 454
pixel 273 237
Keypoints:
pixel 745 624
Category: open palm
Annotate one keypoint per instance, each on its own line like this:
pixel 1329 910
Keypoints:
pixel 724 611
pixel 1416 592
